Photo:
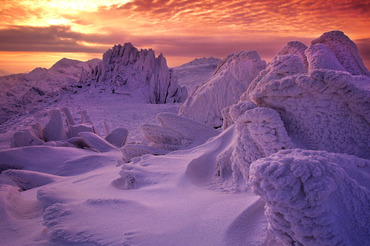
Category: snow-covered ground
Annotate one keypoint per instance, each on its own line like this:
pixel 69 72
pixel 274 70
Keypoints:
pixel 290 166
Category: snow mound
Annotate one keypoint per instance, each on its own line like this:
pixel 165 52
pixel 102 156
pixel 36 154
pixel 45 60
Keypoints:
pixel 314 198
pixel 128 71
pixel 230 79
pixel 176 132
pixel 345 50
pixel 324 110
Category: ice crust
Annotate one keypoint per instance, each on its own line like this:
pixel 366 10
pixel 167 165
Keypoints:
pixel 230 79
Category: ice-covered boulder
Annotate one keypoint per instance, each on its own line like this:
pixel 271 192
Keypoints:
pixel 117 137
pixel 314 197
pixel 260 133
pixel 54 129
pixel 176 132
pixel 324 110
pixel 345 51
pixel 125 69
pixel 230 79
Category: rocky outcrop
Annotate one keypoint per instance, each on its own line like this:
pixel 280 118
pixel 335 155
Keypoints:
pixel 125 69
pixel 230 79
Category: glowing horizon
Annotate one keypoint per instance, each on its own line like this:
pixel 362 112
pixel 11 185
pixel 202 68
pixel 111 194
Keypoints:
pixel 182 30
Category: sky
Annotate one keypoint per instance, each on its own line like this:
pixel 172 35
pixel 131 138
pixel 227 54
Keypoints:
pixel 38 33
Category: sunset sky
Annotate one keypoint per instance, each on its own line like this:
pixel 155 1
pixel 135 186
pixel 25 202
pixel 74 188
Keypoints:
pixel 37 33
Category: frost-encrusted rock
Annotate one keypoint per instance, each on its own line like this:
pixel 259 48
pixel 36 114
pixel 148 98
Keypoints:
pixel 117 137
pixel 320 56
pixel 280 67
pixel 314 197
pixel 295 48
pixel 176 132
pixel 126 70
pixel 260 133
pixel 54 130
pixel 230 79
pixel 345 50
pixel 325 110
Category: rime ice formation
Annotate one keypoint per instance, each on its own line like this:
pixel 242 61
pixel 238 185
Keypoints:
pixel 324 110
pixel 230 79
pixel 345 50
pixel 314 197
pixel 25 138
pixel 22 92
pixel 260 133
pixel 129 151
pixel 176 132
pixel 129 71
pixel 117 137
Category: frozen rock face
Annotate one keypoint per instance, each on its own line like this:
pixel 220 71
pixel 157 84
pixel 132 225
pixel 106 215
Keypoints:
pixel 325 110
pixel 345 50
pixel 260 133
pixel 314 197
pixel 230 79
pixel 176 132
pixel 126 70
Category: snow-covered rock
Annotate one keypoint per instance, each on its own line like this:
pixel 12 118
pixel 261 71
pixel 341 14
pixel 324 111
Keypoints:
pixel 124 69
pixel 74 130
pixel 95 142
pixel 314 197
pixel 324 110
pixel 230 79
pixel 345 50
pixel 176 132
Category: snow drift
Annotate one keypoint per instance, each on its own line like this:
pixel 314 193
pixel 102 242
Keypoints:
pixel 126 70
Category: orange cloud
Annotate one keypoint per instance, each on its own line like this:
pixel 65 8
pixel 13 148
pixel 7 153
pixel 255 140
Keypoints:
pixel 181 28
